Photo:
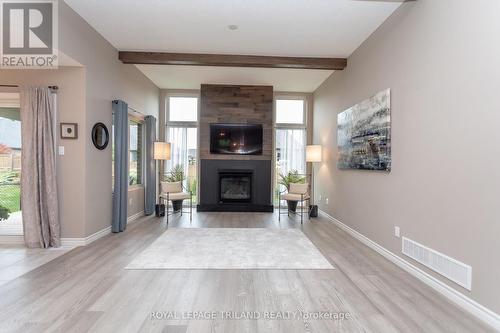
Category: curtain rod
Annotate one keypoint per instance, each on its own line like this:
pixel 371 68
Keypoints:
pixel 16 86
pixel 136 111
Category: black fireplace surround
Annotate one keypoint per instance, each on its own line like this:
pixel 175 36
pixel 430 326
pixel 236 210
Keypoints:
pixel 235 186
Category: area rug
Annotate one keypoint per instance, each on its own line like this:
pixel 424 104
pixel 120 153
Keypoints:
pixel 231 248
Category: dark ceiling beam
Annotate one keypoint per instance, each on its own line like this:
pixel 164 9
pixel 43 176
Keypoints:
pixel 226 60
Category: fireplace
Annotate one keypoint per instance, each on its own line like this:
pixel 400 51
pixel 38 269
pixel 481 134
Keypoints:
pixel 235 186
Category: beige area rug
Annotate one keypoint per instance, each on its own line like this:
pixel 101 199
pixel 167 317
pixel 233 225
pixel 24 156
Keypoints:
pixel 231 248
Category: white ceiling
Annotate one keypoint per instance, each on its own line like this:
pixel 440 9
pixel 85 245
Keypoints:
pixel 312 28
pixel 190 77
pixel 322 28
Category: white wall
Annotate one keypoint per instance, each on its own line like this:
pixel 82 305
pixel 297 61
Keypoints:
pixel 441 60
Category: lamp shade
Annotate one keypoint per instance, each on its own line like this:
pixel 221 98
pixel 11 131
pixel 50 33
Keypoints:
pixel 162 150
pixel 313 153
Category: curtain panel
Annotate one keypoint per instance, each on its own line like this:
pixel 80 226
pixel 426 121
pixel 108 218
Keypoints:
pixel 121 180
pixel 291 145
pixel 39 197
pixel 178 138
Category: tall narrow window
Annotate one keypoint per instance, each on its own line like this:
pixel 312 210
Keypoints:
pixel 135 153
pixel 290 150
pixel 291 138
pixel 182 133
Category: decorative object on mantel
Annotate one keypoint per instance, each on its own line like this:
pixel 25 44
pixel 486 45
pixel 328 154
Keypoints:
pixel 161 152
pixel 69 130
pixel 364 134
pixel 100 136
pixel 314 154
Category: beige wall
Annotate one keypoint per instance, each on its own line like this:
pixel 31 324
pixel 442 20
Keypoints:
pixel 441 60
pixel 70 108
pixel 135 201
pixel 107 79
pixel 85 95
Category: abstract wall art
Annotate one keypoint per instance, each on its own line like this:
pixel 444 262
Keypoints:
pixel 364 134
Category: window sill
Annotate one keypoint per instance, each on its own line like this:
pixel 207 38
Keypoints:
pixel 135 187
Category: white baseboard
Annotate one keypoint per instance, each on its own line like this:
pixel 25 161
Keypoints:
pixel 133 218
pixel 95 236
pixel 481 312
pixel 73 242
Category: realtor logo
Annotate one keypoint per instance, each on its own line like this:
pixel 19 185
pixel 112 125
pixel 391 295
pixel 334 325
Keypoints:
pixel 29 34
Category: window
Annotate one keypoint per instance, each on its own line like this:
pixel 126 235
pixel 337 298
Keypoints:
pixel 290 138
pixel 290 150
pixel 182 133
pixel 290 111
pixel 183 109
pixel 135 152
pixel 10 162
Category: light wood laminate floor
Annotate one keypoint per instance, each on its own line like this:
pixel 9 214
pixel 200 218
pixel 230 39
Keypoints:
pixel 88 289
pixel 17 260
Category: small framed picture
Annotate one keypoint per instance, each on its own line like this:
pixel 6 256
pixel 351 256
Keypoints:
pixel 69 130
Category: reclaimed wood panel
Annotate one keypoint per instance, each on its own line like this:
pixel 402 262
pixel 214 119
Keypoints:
pixel 236 104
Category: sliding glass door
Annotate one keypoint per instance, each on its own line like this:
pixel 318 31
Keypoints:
pixel 10 163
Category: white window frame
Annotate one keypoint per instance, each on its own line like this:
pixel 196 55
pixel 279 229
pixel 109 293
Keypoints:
pixel 301 97
pixel 188 94
pixel 185 124
pixel 284 126
pixel 16 230
pixel 137 117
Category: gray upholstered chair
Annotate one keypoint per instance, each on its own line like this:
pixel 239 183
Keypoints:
pixel 175 192
pixel 298 193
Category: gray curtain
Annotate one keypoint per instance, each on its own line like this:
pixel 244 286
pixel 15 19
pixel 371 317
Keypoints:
pixel 120 139
pixel 38 163
pixel 150 172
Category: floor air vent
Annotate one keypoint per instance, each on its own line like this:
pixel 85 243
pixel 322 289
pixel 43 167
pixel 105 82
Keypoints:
pixel 450 268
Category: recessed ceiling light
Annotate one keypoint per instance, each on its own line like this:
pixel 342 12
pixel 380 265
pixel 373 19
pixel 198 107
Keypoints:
pixel 232 27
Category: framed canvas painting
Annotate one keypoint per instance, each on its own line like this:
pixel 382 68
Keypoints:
pixel 364 134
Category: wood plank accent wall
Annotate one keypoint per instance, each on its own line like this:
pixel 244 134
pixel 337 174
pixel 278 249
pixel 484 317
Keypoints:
pixel 236 104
